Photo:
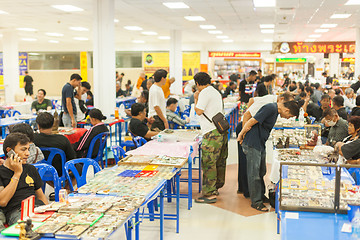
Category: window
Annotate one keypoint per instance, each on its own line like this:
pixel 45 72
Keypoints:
pixel 128 59
pixel 54 60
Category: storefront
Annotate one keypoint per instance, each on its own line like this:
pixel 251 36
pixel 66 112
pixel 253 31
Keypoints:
pixel 293 66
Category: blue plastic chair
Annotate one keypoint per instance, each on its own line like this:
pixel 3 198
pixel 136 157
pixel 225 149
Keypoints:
pixel 52 153
pixel 102 137
pixel 118 152
pixel 139 141
pixel 80 179
pixel 49 173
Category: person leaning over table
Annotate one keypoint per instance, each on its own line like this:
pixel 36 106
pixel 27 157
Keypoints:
pixel 338 105
pixel 208 101
pixel 349 148
pixel 137 125
pixel 18 180
pixel 338 127
pixel 41 103
pixel 171 115
pixel 356 110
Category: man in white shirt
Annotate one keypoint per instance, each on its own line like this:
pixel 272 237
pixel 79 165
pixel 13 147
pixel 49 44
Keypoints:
pixel 188 87
pixel 349 99
pixel 157 102
pixel 208 101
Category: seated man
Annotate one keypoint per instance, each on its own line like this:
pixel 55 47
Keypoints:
pixel 46 138
pixel 41 103
pixel 171 106
pixel 338 127
pixel 338 105
pixel 18 180
pixel 137 125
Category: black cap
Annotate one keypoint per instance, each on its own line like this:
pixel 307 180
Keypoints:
pixel 97 114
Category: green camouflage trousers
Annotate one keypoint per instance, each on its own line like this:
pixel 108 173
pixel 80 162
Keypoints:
pixel 214 154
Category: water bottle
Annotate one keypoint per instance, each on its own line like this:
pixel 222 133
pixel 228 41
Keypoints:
pixel 355 225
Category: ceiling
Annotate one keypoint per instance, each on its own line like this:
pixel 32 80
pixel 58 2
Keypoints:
pixel 294 20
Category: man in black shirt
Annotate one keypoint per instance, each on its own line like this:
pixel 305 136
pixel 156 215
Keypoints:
pixel 338 105
pixel 67 101
pixel 356 85
pixel 262 89
pixel 314 110
pixel 244 97
pixel 230 89
pixel 329 79
pixel 137 125
pixel 18 180
pixel 45 138
pixel 28 86
pixel 234 77
pixel 260 77
pixel 41 103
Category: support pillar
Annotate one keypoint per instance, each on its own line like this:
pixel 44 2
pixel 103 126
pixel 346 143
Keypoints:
pixel 11 65
pixel 176 61
pixel 334 64
pixel 357 54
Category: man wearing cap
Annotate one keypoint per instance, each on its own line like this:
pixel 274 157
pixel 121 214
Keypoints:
pixel 67 101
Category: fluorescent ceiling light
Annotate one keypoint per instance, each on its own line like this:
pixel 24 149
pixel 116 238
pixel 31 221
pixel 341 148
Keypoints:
pixel 164 37
pixel 340 15
pixel 264 3
pixel 353 2
pixel 53 41
pixel 68 8
pixel 81 29
pixel 207 27
pixel 3 12
pixel 215 32
pixel 81 38
pixel 175 5
pixel 310 40
pixel 133 28
pixel 34 54
pixel 268 40
pixel 29 39
pixel 267 25
pixel 321 30
pixel 116 20
pixel 53 34
pixel 194 18
pixel 27 29
pixel 149 33
pixel 138 41
pixel 315 36
pixel 328 25
pixel 267 30
pixel 222 37
pixel 228 40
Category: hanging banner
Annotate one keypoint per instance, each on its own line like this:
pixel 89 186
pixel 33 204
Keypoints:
pixel 23 66
pixel 313 47
pixel 350 60
pixel 153 61
pixel 235 54
pixel 1 71
pixel 190 64
pixel 83 66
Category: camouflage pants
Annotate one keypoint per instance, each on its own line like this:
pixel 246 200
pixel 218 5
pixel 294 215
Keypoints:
pixel 213 160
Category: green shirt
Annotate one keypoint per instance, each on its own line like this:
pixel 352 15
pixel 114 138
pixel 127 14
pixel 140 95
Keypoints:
pixel 37 106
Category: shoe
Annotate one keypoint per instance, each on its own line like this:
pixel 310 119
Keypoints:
pixel 216 192
pixel 204 199
pixel 239 192
pixel 260 207
pixel 52 196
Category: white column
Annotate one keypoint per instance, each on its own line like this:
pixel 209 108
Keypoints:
pixel 176 61
pixel 357 54
pixel 204 55
pixel 104 56
pixel 11 65
pixel 334 64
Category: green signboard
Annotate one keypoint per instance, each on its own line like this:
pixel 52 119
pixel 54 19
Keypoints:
pixel 291 60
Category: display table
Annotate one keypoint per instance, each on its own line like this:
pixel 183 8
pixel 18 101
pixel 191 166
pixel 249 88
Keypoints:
pixel 22 107
pixel 126 101
pixel 6 122
pixel 75 137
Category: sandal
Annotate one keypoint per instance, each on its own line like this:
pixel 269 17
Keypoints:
pixel 52 196
pixel 205 200
pixel 260 207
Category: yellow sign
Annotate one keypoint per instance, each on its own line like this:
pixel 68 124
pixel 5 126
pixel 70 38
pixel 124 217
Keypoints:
pixel 154 61
pixel 1 82
pixel 190 64
pixel 83 66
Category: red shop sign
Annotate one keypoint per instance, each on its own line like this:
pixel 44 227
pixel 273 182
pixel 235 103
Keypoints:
pixel 235 54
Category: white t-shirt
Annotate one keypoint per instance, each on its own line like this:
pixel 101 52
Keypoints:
pixel 156 98
pixel 189 86
pixel 259 102
pixel 79 114
pixel 210 101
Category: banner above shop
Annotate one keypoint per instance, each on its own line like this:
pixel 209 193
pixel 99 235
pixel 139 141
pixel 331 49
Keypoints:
pixel 235 54
pixel 313 47
pixel 291 60
pixel 350 60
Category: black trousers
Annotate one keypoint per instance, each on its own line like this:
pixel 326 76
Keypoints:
pixel 242 166
pixel 158 123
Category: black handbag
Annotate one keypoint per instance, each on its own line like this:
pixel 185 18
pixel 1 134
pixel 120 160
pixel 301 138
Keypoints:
pixel 220 122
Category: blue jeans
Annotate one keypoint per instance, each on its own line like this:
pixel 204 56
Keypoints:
pixel 13 216
pixel 256 170
pixel 2 220
pixel 67 119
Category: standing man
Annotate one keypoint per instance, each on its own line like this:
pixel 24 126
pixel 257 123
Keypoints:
pixel 157 103
pixel 252 137
pixel 80 100
pixel 166 87
pixel 247 83
pixel 208 102
pixel 28 86
pixel 67 101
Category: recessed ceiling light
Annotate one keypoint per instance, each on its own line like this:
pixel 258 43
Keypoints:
pixel 68 8
pixel 53 41
pixel 353 2
pixel 207 27
pixel 346 15
pixel 310 40
pixel 81 29
pixel 175 5
pixel 215 32
pixel 133 28
pixel 267 30
pixel 149 33
pixel 194 18
pixel 264 3
pixel 268 40
pixel 53 34
pixel 328 25
pixel 222 37
pixel 164 37
pixel 267 25
pixel 116 20
pixel 27 29
pixel 228 40
pixel 3 12
pixel 138 41
pixel 1 35
pixel 315 36
pixel 321 30
pixel 81 38
pixel 29 39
